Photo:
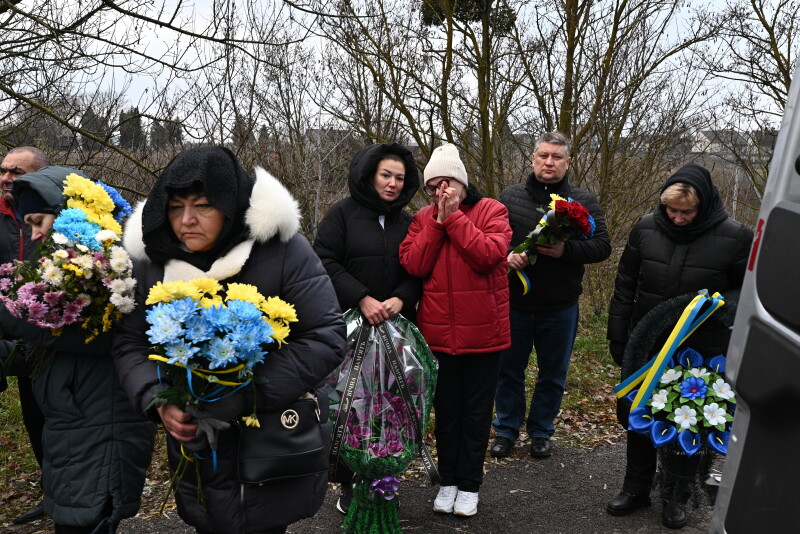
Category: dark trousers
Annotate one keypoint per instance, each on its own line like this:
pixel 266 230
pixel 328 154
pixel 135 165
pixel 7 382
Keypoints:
pixel 640 455
pixel 463 404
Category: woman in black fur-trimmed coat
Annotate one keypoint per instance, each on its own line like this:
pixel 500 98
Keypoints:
pixel 172 236
pixel 686 244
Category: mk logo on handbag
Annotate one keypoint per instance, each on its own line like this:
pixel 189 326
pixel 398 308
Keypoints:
pixel 290 419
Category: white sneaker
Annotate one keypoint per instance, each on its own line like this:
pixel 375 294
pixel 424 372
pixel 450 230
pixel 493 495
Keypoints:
pixel 445 499
pixel 466 503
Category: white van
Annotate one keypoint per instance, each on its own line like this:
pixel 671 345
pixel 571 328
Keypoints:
pixel 759 489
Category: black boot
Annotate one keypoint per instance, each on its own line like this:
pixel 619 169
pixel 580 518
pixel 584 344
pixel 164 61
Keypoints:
pixel 673 514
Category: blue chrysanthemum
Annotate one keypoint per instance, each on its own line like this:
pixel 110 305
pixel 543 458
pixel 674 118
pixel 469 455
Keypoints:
pixel 244 310
pixel 198 329
pixel 182 309
pixel 220 317
pixel 694 388
pixel 180 352
pixel 73 225
pixel 164 330
pixel 220 352
pixel 246 336
pixel 121 206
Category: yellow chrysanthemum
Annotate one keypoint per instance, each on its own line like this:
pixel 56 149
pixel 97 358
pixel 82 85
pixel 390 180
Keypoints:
pixel 554 197
pixel 251 420
pixel 280 331
pixel 245 292
pixel 208 302
pixel 208 286
pixel 279 310
pixel 92 194
pixel 169 291
pixel 69 267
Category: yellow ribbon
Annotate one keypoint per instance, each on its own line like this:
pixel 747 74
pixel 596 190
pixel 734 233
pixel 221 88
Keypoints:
pixel 203 373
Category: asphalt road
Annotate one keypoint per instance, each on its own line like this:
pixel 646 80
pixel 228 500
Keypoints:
pixel 566 494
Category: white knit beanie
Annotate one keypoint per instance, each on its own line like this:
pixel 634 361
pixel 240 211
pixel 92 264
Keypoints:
pixel 445 162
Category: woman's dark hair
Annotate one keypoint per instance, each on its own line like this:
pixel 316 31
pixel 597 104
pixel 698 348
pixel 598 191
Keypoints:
pixel 196 189
pixel 392 157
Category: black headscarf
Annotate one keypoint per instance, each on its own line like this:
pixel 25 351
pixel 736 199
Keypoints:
pixel 362 172
pixel 710 212
pixel 226 186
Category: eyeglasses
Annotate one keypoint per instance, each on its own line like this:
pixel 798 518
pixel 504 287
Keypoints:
pixel 431 189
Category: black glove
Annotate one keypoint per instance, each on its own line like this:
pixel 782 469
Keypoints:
pixel 617 350
pixel 212 418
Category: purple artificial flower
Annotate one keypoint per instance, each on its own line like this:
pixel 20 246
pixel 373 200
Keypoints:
pixel 694 388
pixel 378 450
pixel 361 432
pixel 395 447
pixel 353 442
pixel 390 434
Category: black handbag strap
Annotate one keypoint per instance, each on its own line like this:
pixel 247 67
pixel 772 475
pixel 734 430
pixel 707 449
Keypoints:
pixel 347 398
pixel 397 369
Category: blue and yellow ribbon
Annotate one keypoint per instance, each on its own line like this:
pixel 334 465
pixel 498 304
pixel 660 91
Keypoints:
pixel 650 373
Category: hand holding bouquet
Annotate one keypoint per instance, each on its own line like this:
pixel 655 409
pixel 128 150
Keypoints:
pixel 566 219
pixel 82 275
pixel 211 337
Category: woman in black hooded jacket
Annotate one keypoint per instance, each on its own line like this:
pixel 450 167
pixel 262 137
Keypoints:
pixel 686 244
pixel 358 242
pixel 171 236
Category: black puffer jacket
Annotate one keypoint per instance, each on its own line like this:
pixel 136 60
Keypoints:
pixel 280 263
pixel 662 260
pixel 96 446
pixel 361 257
pixel 556 283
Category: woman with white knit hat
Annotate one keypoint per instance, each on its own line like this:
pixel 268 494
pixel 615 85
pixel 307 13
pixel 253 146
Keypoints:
pixel 458 246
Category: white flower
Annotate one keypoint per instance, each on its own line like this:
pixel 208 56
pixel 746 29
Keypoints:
pixel 699 372
pixel 660 399
pixel 123 304
pixel 119 252
pixel 106 235
pixel 120 265
pixel 723 389
pixel 60 239
pixel 130 283
pixel 82 248
pixel 84 262
pixel 670 375
pixel 686 417
pixel 714 414
pixel 52 275
pixel 118 286
pixel 60 254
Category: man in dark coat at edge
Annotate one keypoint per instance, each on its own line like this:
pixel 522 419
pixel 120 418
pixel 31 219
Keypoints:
pixel 546 318
pixel 15 244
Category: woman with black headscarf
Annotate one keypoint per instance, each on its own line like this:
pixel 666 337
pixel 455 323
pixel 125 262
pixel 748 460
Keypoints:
pixel 686 244
pixel 205 217
pixel 358 242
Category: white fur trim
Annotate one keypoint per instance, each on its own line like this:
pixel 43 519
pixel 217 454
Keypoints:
pixel 228 265
pixel 132 234
pixel 272 209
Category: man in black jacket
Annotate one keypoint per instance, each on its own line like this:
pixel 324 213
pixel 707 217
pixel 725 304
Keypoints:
pixel 546 316
pixel 15 244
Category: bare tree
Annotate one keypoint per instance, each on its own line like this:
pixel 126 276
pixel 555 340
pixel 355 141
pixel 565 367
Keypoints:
pixel 755 65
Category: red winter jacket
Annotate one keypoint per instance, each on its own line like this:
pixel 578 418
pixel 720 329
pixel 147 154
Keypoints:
pixel 464 306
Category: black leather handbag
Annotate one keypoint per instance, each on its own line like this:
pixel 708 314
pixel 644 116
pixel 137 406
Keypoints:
pixel 290 443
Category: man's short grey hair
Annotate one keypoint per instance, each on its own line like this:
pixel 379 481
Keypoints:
pixel 40 159
pixel 553 138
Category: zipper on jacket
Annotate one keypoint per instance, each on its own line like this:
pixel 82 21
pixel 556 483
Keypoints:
pixel 450 302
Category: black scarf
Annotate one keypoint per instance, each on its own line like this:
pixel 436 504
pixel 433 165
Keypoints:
pixel 227 188
pixel 710 212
